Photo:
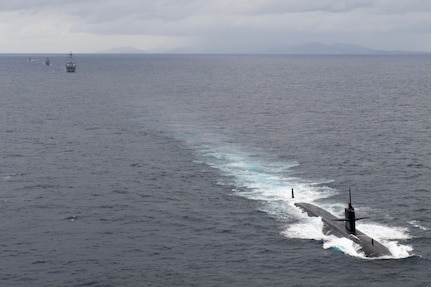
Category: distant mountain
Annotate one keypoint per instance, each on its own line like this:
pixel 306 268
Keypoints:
pixel 335 49
pixel 316 48
pixel 313 48
pixel 123 50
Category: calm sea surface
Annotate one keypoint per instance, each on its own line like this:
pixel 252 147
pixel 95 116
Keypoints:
pixel 177 170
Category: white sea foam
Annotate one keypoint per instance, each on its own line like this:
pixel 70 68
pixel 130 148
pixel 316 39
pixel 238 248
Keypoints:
pixel 417 225
pixel 388 236
pixel 383 232
pixel 308 228
pixel 271 182
pixel 264 180
pixel 342 244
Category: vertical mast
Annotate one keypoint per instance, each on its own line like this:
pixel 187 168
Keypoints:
pixel 349 216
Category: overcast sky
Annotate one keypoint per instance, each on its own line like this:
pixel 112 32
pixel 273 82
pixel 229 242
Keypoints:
pixel 222 26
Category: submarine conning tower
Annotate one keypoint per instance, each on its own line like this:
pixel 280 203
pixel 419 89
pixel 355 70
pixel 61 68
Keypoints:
pixel 349 216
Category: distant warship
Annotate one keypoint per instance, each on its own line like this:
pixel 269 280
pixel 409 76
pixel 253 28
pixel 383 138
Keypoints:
pixel 70 66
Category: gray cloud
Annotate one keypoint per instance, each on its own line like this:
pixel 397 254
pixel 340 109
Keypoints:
pixel 207 25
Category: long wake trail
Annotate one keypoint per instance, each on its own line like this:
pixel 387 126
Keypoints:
pixel 256 176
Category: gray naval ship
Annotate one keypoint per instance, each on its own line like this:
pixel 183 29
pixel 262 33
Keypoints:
pixel 70 66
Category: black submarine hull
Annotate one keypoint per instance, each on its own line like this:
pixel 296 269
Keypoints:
pixel 335 226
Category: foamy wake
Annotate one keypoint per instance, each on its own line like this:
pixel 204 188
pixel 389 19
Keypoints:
pixel 387 235
pixel 417 225
pixel 271 182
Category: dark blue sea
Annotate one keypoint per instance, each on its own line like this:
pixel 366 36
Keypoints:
pixel 177 170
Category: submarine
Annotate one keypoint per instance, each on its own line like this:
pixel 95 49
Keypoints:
pixel 346 227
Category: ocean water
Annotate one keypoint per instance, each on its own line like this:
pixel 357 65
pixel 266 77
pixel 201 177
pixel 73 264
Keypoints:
pixel 177 170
